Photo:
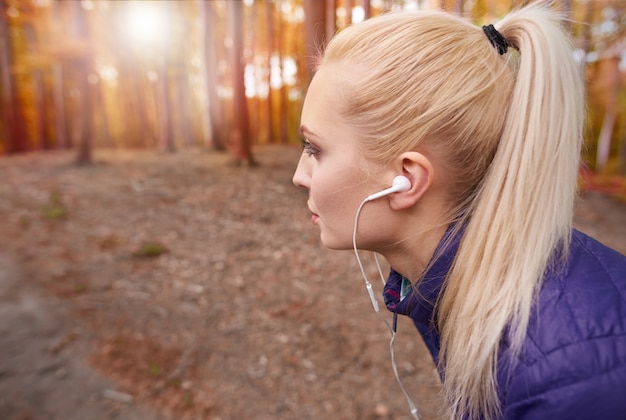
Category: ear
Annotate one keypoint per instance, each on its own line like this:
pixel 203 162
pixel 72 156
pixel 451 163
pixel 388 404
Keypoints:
pixel 418 168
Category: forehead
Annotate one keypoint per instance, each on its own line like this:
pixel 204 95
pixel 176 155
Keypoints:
pixel 322 104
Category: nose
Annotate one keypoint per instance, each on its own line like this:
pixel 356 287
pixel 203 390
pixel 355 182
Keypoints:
pixel 302 175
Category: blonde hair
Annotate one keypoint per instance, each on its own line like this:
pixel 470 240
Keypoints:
pixel 509 129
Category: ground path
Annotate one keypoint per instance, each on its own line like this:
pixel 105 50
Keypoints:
pixel 242 316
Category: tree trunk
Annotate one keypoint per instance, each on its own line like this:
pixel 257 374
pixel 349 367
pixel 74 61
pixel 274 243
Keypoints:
pixel 203 21
pixel 38 89
pixel 216 118
pixel 610 113
pixel 85 140
pixel 282 111
pixel 59 106
pixel 314 29
pixel 13 121
pixel 242 149
pixel 331 18
pixel 271 50
pixel 79 30
pixel 167 130
pixel 367 9
pixel 58 99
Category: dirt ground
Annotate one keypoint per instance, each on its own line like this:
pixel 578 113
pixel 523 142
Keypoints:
pixel 176 286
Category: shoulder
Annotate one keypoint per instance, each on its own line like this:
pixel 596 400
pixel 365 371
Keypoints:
pixel 584 300
pixel 589 257
pixel 574 357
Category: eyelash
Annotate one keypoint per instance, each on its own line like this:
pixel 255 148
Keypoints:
pixel 309 149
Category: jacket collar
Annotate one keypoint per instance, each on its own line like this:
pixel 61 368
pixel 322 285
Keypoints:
pixel 419 300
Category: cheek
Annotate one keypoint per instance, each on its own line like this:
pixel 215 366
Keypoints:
pixel 335 206
pixel 323 193
pixel 336 196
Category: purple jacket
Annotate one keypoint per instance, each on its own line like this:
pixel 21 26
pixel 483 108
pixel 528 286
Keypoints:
pixel 573 361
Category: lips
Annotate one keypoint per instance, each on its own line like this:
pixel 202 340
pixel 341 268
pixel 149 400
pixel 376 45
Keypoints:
pixel 314 216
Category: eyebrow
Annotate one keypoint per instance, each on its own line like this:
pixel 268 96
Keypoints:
pixel 306 131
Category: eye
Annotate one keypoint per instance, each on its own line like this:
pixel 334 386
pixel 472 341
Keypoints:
pixel 309 149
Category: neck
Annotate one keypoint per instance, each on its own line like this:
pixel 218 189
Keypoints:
pixel 411 255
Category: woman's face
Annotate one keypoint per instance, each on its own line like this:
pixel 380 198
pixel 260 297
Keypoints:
pixel 331 167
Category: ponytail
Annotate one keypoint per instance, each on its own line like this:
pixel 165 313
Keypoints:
pixel 520 218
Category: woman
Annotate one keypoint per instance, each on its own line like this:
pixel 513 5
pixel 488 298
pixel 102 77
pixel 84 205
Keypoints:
pixel 524 316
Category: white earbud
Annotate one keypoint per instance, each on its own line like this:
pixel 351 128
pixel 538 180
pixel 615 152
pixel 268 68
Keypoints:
pixel 399 184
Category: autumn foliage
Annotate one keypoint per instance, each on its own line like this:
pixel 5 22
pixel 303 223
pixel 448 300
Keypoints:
pixel 228 75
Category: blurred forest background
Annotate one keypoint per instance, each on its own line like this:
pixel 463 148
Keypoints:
pixel 155 279
pixel 229 75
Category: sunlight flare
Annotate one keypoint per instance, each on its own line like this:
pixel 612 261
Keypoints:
pixel 146 23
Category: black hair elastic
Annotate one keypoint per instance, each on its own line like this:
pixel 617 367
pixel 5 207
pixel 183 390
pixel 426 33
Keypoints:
pixel 496 39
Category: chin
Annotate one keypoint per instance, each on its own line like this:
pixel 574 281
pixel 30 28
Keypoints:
pixel 334 243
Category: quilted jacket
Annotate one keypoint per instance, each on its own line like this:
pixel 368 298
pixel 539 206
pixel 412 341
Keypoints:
pixel 573 361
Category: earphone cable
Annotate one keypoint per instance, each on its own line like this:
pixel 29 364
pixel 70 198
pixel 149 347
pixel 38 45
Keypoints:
pixel 380 270
pixel 368 285
pixel 370 291
pixel 394 366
